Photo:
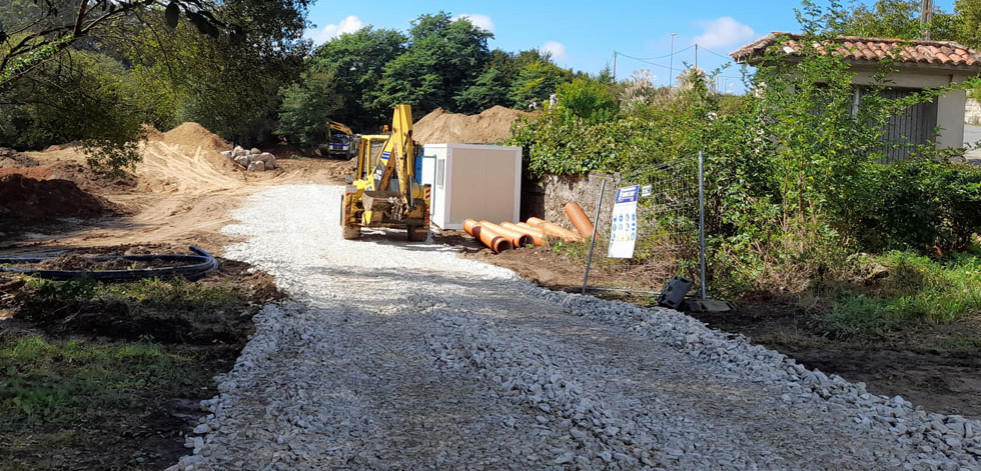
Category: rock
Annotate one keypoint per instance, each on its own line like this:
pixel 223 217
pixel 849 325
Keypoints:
pixel 255 151
pixel 242 160
pixel 201 428
pixel 268 159
pixel 256 166
pixel 566 457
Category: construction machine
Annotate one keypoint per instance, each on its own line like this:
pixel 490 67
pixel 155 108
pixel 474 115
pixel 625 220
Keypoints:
pixel 385 190
pixel 342 143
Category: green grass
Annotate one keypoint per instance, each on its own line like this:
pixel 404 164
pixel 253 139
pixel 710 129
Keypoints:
pixel 909 289
pixel 62 382
pixel 165 295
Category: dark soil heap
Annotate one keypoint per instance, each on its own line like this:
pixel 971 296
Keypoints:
pixel 29 198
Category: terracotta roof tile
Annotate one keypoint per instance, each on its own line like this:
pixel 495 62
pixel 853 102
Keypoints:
pixel 858 49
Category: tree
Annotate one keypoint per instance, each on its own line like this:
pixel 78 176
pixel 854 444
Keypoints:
pixel 306 107
pixel 588 99
pixel 357 62
pixel 76 84
pixel 443 58
pixel 33 35
pixel 892 19
pixel 537 78
pixel 490 89
pixel 968 21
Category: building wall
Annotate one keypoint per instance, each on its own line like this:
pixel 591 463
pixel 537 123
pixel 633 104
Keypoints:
pixel 950 107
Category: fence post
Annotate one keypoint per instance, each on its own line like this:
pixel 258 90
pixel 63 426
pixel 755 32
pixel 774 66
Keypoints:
pixel 592 240
pixel 701 220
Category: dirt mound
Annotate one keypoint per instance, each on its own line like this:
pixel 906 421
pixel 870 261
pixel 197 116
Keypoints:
pixel 152 133
pixel 37 173
pixel 194 135
pixel 489 127
pixel 10 158
pixel 90 180
pixel 27 198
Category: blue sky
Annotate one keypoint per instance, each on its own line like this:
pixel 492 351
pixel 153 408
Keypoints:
pixel 583 35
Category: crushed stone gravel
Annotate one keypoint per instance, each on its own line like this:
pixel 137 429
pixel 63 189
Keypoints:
pixel 395 355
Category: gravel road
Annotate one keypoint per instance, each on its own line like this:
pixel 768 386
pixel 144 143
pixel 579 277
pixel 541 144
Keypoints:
pixel 402 356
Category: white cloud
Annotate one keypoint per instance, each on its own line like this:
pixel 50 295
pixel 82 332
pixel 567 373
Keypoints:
pixel 723 31
pixel 346 26
pixel 555 48
pixel 481 21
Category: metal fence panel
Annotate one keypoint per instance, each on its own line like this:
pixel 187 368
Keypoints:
pixel 670 235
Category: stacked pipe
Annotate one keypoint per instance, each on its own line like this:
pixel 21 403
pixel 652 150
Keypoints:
pixel 535 231
pixel 491 239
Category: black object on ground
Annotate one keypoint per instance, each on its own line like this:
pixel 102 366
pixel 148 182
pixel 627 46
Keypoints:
pixel 192 267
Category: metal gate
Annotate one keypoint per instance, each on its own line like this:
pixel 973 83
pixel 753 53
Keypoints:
pixel 910 127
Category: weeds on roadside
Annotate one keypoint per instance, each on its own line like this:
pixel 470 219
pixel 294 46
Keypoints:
pixel 902 288
pixel 162 295
pixel 63 382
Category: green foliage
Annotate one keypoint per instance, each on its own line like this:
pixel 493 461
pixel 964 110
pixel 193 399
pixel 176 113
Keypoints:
pixel 968 15
pixel 338 83
pixel 443 58
pixel 894 19
pixel 78 96
pixel 63 382
pixel 587 99
pixel 900 288
pixel 536 81
pixel 794 174
pixel 306 107
pixel 488 90
pixel 915 204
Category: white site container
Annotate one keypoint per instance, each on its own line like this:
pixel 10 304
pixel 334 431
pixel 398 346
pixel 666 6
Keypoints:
pixel 473 181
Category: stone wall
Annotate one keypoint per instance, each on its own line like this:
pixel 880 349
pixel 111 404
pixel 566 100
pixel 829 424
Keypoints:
pixel 546 198
pixel 972 111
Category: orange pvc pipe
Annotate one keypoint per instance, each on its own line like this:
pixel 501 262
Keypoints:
pixel 487 236
pixel 472 227
pixel 497 242
pixel 537 236
pixel 555 230
pixel 536 230
pixel 518 239
pixel 579 219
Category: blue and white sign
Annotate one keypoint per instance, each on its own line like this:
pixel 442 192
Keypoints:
pixel 623 233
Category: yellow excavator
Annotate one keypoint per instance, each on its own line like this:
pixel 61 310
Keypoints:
pixel 341 144
pixel 385 190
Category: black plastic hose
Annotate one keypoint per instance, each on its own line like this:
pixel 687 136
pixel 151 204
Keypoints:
pixel 196 267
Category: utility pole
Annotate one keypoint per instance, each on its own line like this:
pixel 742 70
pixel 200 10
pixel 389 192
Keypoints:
pixel 614 66
pixel 671 68
pixel 926 17
pixel 696 57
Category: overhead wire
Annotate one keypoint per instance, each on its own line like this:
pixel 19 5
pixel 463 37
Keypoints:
pixel 648 60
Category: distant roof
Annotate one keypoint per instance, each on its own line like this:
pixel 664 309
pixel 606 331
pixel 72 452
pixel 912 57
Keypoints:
pixel 858 50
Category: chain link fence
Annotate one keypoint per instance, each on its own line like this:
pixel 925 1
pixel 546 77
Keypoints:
pixel 669 238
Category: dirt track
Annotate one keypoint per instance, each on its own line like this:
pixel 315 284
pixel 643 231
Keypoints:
pixel 182 193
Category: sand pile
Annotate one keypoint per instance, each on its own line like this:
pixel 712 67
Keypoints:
pixel 152 133
pixel 194 135
pixel 489 127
